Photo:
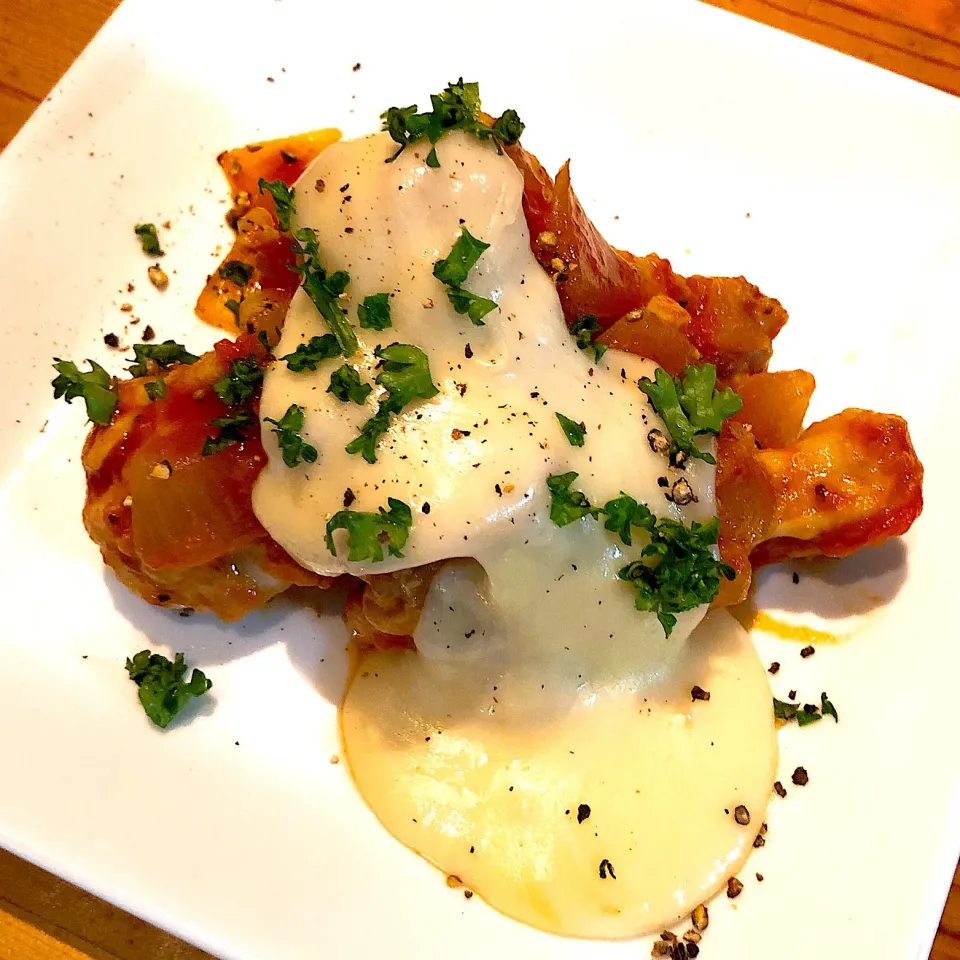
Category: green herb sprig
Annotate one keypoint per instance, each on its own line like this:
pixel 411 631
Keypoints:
pixel 585 331
pixel 324 290
pixel 164 355
pixel 163 689
pixel 95 387
pixel 453 270
pixel 149 241
pixel 282 200
pixel 293 448
pixel 405 375
pixel 457 107
pixel 368 533
pixel 692 406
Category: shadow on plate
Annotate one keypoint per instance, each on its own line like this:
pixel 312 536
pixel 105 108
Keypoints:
pixel 307 623
pixel 835 589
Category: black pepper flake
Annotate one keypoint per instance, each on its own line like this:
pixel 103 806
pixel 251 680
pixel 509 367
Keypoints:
pixel 759 878
pixel 473 849
pixel 698 693
pixel 734 888
pixel 741 814
pixel 681 493
pixel 148 333
pixel 467 894
pixel 355 68
pixel 163 598
pixel 807 652
pixel 658 441
pixel 496 487
pixel 774 667
pixel 693 950
pixel 468 352
pixel 425 508
pixel 348 497
pixel 792 695
pixel 779 789
pixel 758 840
pixel 796 577
pixel 583 811
pixel 289 157
pixel 800 777
pixel 606 867
pixel 663 482
pixel 111 340
pixel 348 229
pixel 345 188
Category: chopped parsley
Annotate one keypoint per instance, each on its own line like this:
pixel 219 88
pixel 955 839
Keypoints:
pixel 368 533
pixel 566 505
pixel 236 271
pixel 374 312
pixel 324 290
pixel 471 304
pixel 308 356
pixel 162 354
pixel 293 448
pixel 405 375
pixel 282 199
pixel 149 240
pixel 95 387
pixel 573 431
pixel 456 108
pixel 806 714
pixel 163 689
pixel 453 270
pixel 677 570
pixel 231 429
pixel 156 389
pixel 234 307
pixel 346 385
pixel 623 513
pixel 585 331
pixel 240 383
pixel 691 406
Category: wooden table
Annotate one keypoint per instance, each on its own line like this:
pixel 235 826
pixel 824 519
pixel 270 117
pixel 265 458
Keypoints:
pixel 44 918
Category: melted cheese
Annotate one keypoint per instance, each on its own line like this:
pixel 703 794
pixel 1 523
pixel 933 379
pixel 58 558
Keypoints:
pixel 501 385
pixel 484 766
pixel 534 671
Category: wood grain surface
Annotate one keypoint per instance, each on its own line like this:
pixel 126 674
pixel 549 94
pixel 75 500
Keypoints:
pixel 45 918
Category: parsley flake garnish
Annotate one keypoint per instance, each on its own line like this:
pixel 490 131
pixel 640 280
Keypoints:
pixel 367 533
pixel 162 354
pixel 240 383
pixel 573 431
pixel 236 271
pixel 293 448
pixel 453 270
pixel 566 505
pixel 309 355
pixel 374 312
pixel 677 570
pixel 94 386
pixel 346 385
pixel 456 108
pixel 156 389
pixel 282 199
pixel 149 240
pixel 806 714
pixel 405 375
pixel 324 290
pixel 623 513
pixel 231 429
pixel 585 331
pixel 691 406
pixel 456 266
pixel 163 691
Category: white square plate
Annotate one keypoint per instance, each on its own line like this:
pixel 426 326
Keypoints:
pixel 729 148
